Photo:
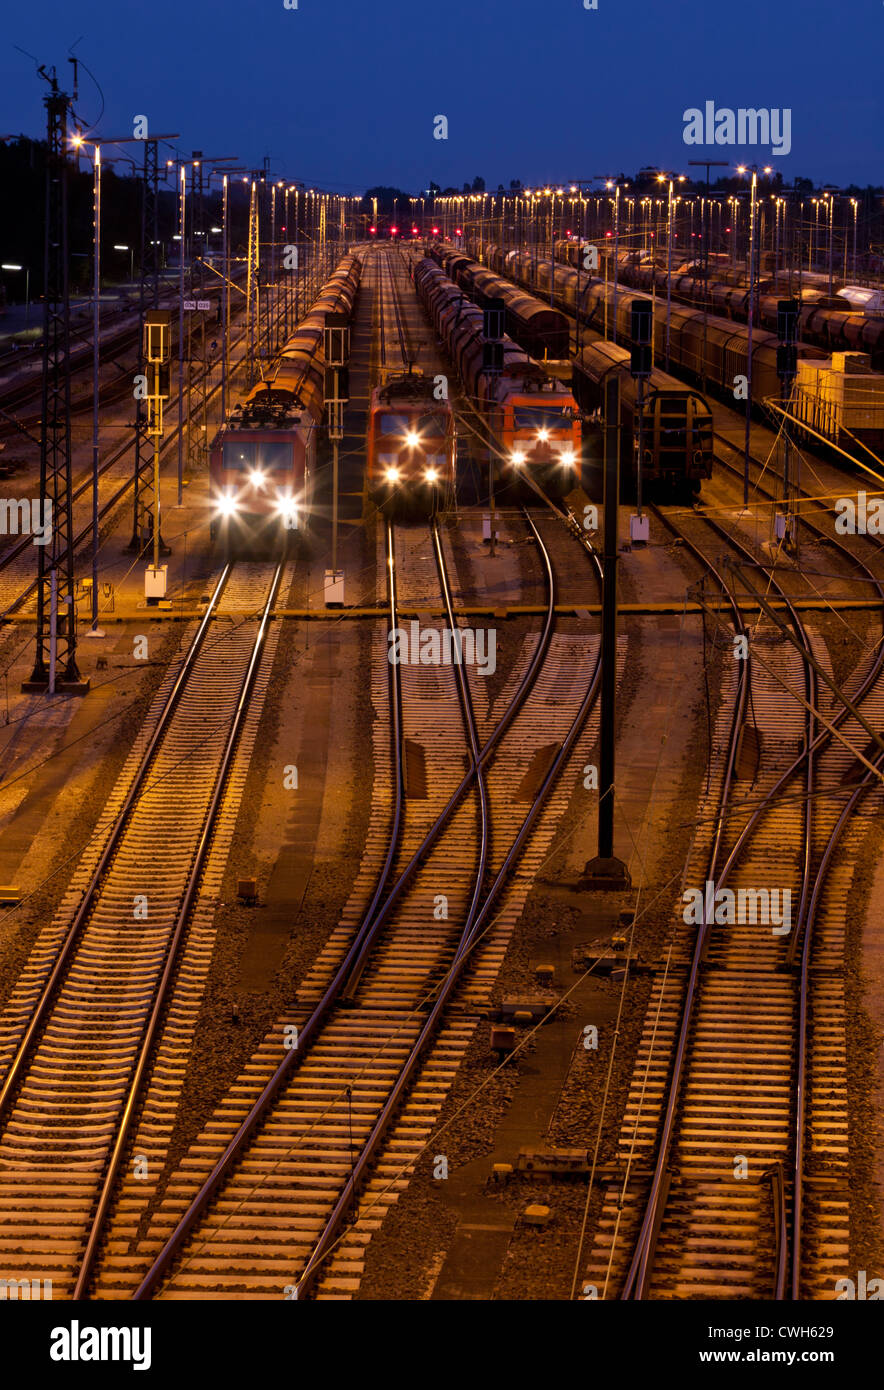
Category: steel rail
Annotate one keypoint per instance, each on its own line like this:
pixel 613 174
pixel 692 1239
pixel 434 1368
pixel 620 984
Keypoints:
pixel 787 1251
pixel 802 933
pixel 399 740
pixel 475 921
pixel 640 1265
pixel 806 761
pixel 74 931
pixel 164 985
pixel 14 551
pixel 361 944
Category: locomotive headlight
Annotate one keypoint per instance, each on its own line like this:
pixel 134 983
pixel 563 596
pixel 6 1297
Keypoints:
pixel 431 475
pixel 288 509
pixel 412 439
pixel 518 457
pixel 256 478
pixel 392 475
pixel 567 458
pixel 227 504
pixel 543 435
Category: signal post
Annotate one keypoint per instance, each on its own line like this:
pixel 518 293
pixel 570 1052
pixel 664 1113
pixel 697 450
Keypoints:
pixel 606 873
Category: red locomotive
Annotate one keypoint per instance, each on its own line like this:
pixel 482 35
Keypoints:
pixel 531 417
pixel 411 444
pixel 263 459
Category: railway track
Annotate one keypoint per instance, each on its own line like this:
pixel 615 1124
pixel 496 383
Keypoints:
pixel 120 341
pixel 12 598
pixel 734 1143
pixel 398 997
pixel 318 1139
pixel 79 1033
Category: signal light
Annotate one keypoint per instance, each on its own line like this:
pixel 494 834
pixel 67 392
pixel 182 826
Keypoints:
pixel 435 231
pixel 372 230
pixel 394 231
pixel 457 231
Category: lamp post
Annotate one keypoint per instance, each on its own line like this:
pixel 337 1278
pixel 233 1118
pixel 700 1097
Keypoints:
pixel 670 178
pixel 616 257
pixel 578 321
pixel 611 183
pixel 27 270
pixel 705 219
pixel 831 199
pixel 742 169
pixel 131 259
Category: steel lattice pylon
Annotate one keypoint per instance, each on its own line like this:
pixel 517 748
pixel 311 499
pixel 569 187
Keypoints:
pixel 56 634
pixel 143 501
pixel 252 287
pixel 196 328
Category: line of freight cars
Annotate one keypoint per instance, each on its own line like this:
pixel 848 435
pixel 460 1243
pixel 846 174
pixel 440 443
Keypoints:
pixel 839 401
pixel 532 419
pixel 263 459
pixel 544 332
pixel 832 323
pixel 676 422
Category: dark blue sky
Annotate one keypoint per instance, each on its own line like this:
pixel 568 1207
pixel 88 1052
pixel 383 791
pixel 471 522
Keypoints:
pixel 342 93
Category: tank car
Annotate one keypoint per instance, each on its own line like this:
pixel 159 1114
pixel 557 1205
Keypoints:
pixel 831 322
pixel 723 343
pixel 530 416
pixel 539 328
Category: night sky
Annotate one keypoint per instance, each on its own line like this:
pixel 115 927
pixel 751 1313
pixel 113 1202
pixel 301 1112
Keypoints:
pixel 343 94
